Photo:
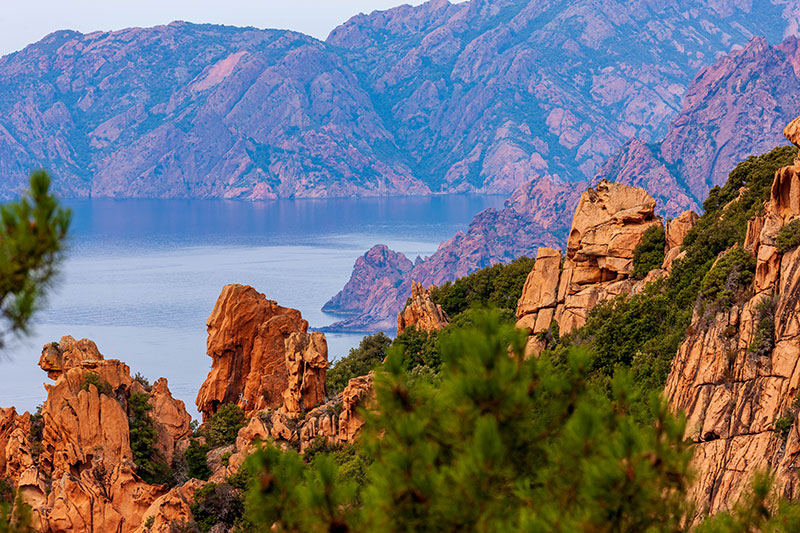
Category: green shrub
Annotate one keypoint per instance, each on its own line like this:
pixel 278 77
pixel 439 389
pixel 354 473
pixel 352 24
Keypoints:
pixel 783 425
pixel 764 334
pixel 789 236
pixel 150 463
pixel 419 348
pixel 143 381
pixel 369 354
pixel 649 253
pixel 498 286
pixel 93 378
pixel 217 504
pixel 222 428
pixel 197 461
pixel 729 275
pixel 36 433
pixel 502 444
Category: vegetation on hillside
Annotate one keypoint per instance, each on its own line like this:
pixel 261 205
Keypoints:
pixel 497 287
pixel 469 435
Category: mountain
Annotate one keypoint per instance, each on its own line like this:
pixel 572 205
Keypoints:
pixel 483 95
pixel 477 96
pixel 733 108
pixel 193 111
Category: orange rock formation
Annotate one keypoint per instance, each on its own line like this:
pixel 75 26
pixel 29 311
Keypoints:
pixel 78 473
pixel 607 226
pixel 421 312
pixel 248 342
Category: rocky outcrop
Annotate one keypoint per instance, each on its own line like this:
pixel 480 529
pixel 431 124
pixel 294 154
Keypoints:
pixel 421 311
pixel 736 374
pixel 675 232
pixel 608 224
pixel 338 421
pixel 73 462
pixel 171 508
pixel 252 355
pixel 307 363
pixel 532 217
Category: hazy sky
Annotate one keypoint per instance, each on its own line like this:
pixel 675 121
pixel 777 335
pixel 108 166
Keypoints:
pixel 26 21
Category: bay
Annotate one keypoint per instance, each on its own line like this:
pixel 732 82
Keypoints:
pixel 142 276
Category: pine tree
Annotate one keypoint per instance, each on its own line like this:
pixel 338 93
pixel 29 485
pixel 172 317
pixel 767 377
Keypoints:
pixel 32 234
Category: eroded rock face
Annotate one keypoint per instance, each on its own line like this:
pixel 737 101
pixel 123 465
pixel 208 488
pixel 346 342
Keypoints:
pixel 307 364
pixel 676 231
pixel 422 312
pixel 736 373
pixel 74 463
pixel 608 224
pixel 247 342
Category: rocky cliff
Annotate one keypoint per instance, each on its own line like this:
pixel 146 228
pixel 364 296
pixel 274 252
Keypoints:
pixel 257 349
pixel 475 96
pixel 733 108
pixel 736 373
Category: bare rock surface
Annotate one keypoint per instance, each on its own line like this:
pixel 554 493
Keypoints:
pixel 421 312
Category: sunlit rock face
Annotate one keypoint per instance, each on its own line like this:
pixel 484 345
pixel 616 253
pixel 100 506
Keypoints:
pixel 73 463
pixel 258 349
pixel 736 374
pixel 608 224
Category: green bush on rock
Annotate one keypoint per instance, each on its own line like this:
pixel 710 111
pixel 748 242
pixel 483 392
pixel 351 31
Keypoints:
pixel 789 236
pixel 649 253
pixel 223 426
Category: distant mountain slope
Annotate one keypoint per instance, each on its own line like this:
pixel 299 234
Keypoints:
pixel 476 96
pixel 487 93
pixel 735 107
pixel 193 111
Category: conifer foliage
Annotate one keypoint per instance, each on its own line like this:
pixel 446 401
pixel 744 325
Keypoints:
pixel 499 444
pixel 32 234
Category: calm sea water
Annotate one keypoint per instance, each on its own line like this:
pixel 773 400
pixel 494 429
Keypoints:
pixel 142 276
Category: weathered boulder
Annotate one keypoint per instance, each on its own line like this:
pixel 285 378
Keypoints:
pixel 247 337
pixel 421 311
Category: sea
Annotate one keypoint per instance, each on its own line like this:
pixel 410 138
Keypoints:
pixel 140 277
